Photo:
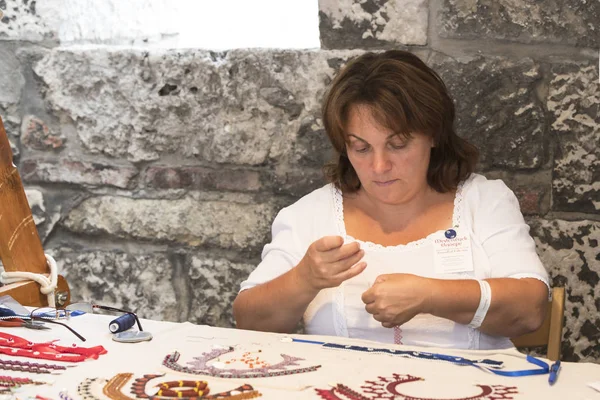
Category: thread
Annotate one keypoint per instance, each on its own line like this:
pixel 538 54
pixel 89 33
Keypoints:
pixel 121 323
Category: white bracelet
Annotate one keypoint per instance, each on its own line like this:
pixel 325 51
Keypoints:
pixel 484 304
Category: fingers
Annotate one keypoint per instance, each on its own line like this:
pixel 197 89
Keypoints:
pixel 371 308
pixel 351 272
pixel 368 296
pixel 332 248
pixel 327 243
pixel 345 264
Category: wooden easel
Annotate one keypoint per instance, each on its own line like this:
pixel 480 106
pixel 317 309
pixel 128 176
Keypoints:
pixel 20 245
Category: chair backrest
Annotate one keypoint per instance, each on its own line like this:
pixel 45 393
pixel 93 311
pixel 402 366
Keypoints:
pixel 550 333
pixel 20 245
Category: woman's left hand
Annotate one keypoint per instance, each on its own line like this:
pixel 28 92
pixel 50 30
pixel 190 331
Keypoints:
pixel 396 298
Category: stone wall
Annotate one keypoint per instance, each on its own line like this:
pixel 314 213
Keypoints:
pixel 154 175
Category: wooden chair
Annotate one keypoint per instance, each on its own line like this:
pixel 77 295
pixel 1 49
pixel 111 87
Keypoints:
pixel 550 333
pixel 20 246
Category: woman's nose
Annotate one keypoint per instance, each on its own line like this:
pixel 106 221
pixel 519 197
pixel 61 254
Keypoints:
pixel 381 162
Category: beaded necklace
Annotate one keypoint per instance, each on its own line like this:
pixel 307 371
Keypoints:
pixel 414 354
pixel 196 388
pixel 200 367
pixel 112 389
pixel 10 381
pixel 138 388
pixel 31 367
pixel 62 395
pixel 85 388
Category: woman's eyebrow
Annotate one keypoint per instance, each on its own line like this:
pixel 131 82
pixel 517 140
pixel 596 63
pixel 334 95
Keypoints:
pixel 390 136
pixel 357 137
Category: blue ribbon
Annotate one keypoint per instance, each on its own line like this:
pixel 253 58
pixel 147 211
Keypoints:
pixel 545 368
pixel 485 364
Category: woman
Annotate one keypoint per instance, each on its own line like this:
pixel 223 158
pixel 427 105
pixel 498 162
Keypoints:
pixel 406 244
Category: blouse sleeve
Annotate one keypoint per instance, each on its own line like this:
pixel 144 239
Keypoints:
pixel 504 235
pixel 282 254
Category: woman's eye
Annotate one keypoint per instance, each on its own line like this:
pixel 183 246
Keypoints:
pixel 359 147
pixel 397 146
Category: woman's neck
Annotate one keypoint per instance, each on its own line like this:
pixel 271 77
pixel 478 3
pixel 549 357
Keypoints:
pixel 396 217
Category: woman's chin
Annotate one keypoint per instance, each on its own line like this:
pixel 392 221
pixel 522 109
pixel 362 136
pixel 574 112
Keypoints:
pixel 387 195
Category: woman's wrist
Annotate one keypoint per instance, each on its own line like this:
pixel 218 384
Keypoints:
pixel 301 281
pixel 431 295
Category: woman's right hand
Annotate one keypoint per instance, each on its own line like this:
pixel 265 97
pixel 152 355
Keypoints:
pixel 328 262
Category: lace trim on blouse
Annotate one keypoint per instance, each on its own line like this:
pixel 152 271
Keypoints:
pixel 338 207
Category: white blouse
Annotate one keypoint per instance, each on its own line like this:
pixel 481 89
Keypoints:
pixel 486 210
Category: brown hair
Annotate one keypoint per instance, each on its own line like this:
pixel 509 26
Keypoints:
pixel 405 96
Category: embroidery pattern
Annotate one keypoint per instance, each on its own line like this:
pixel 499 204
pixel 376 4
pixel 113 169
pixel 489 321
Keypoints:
pixel 387 389
pixel 397 335
pixel 200 367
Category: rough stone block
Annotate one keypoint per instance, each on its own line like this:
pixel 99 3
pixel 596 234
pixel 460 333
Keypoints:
pixel 77 172
pixel 35 134
pixel 11 78
pixel 21 21
pixel 295 182
pixel 574 107
pixel 137 282
pixel 532 200
pixel 571 253
pixel 368 24
pixel 497 109
pixel 197 178
pixel 215 284
pixel 569 22
pixel 232 221
pixel 239 107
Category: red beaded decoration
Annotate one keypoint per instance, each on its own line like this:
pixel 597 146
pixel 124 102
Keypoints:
pixel 17 346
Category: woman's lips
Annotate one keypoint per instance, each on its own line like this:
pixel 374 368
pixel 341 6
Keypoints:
pixel 384 183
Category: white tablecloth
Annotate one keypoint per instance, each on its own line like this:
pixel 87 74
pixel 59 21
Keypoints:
pixel 438 380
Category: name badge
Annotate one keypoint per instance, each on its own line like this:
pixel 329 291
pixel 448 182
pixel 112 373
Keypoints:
pixel 452 252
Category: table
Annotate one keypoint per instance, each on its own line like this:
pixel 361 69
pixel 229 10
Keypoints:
pixel 369 374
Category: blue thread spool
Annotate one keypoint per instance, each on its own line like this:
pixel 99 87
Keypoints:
pixel 121 323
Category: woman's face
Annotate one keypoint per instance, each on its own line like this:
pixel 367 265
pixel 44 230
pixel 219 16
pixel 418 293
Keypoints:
pixel 391 168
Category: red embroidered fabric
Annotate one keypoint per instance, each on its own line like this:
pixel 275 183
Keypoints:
pixel 13 345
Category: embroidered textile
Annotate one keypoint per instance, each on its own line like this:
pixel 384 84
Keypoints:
pixel 388 389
